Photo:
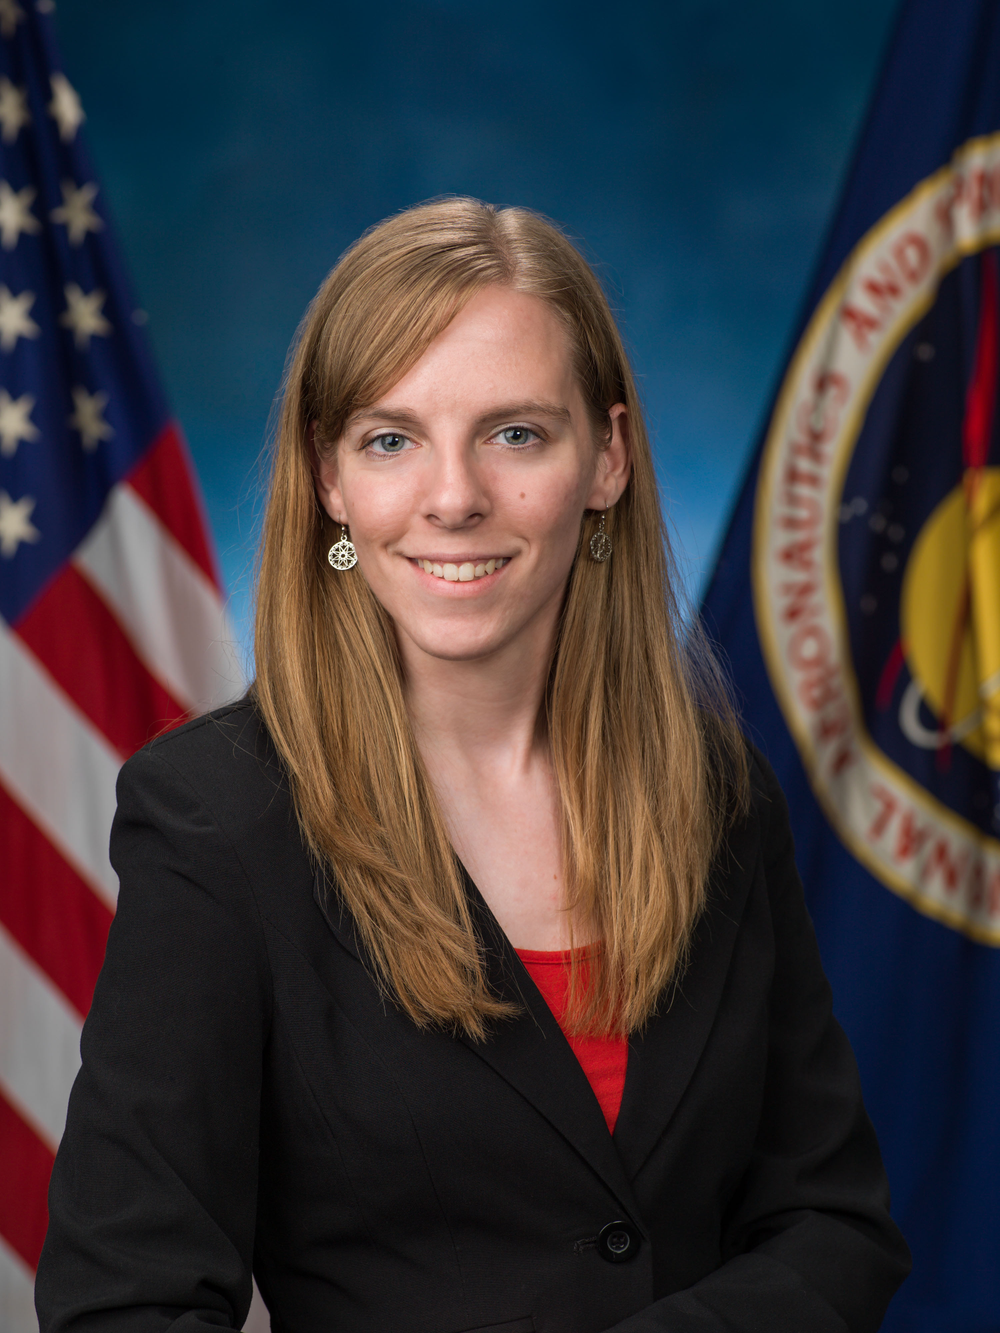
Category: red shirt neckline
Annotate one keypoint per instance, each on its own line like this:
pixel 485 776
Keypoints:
pixel 557 955
pixel 602 1059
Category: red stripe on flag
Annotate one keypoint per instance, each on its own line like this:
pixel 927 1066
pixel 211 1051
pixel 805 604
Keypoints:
pixel 72 632
pixel 52 913
pixel 164 477
pixel 25 1167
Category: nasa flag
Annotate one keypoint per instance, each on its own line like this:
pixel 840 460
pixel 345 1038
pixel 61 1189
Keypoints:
pixel 857 597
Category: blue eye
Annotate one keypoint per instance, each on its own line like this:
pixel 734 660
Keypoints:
pixel 388 444
pixel 517 435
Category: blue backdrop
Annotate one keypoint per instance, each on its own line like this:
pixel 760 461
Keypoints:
pixel 696 146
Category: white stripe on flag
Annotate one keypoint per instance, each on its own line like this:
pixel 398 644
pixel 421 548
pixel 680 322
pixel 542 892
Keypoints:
pixel 39 1043
pixel 57 765
pixel 170 610
pixel 17 1293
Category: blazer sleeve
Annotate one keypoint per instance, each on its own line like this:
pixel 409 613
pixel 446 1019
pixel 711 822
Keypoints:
pixel 153 1193
pixel 808 1239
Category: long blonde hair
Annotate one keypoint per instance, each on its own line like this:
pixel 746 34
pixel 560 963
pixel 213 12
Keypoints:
pixel 647 756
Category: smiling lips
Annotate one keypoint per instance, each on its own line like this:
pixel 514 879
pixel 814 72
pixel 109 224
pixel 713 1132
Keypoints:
pixel 467 572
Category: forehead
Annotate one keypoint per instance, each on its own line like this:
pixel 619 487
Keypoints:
pixel 502 342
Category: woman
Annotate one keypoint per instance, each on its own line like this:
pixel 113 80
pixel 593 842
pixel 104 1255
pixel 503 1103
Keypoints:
pixel 461 977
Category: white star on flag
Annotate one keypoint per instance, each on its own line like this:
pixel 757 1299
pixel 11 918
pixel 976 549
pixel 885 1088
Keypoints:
pixel 87 418
pixel 11 15
pixel 15 322
pixel 15 523
pixel 14 111
pixel 15 422
pixel 15 214
pixel 75 211
pixel 65 108
pixel 83 315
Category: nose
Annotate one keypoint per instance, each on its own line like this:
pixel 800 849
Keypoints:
pixel 456 495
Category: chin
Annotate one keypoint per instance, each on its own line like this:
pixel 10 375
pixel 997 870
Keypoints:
pixel 457 645
pixel 452 651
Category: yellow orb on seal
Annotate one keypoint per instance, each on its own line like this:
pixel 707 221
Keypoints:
pixel 950 615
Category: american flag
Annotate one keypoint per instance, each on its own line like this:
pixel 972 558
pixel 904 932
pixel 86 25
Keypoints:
pixel 112 625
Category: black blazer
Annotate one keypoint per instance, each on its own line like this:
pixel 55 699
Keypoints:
pixel 248 1098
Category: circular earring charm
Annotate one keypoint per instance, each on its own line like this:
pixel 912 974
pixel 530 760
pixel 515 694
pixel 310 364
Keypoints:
pixel 600 544
pixel 342 554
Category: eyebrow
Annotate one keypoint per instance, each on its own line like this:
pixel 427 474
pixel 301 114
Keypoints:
pixel 506 411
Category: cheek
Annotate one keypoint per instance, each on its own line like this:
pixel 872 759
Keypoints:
pixel 376 505
pixel 552 514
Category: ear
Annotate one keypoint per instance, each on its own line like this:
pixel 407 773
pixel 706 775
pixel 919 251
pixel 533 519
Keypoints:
pixel 326 478
pixel 614 462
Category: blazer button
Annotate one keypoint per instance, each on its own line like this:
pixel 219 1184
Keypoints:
pixel 618 1242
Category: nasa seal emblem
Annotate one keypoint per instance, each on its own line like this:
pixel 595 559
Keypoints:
pixel 876 547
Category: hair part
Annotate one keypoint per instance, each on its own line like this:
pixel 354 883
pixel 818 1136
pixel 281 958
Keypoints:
pixel 649 762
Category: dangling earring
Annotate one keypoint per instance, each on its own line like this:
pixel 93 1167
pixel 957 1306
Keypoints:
pixel 600 543
pixel 342 554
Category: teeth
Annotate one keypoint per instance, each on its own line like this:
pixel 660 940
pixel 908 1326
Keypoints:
pixel 464 573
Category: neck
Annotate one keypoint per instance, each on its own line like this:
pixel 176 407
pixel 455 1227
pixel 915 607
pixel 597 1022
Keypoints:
pixel 479 727
pixel 483 715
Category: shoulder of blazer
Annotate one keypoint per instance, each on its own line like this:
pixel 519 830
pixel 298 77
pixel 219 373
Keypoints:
pixel 227 764
pixel 228 759
pixel 768 808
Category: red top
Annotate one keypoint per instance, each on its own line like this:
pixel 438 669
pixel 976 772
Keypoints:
pixel 603 1059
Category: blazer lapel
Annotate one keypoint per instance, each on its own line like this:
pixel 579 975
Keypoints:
pixel 662 1059
pixel 529 1052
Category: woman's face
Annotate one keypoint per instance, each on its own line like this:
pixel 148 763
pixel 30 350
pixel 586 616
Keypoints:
pixel 465 485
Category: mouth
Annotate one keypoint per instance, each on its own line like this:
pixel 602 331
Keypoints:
pixel 466 571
